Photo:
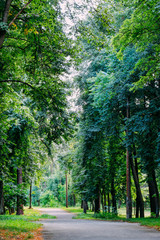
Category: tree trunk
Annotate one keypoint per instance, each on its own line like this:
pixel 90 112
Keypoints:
pixel 74 200
pixel 38 202
pixel 93 206
pixel 2 37
pixel 108 203
pixel 153 193
pixel 139 200
pixel 102 201
pixel 84 206
pixel 97 202
pixel 97 210
pixel 30 197
pixel 128 177
pixel 139 207
pixel 1 198
pixel 87 205
pixel 128 186
pixel 150 167
pixel 105 200
pixel 81 203
pixel 19 181
pixel 114 205
pixel 66 191
pixel 119 203
pixel 5 19
pixel 12 210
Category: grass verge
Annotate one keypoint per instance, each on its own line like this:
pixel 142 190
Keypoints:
pixel 148 221
pixel 22 227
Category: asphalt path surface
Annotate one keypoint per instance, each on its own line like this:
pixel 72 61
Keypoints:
pixel 66 228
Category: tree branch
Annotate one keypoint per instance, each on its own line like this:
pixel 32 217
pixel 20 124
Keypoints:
pixel 19 13
pixel 19 81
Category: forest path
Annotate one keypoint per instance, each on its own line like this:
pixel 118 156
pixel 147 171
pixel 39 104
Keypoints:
pixel 66 228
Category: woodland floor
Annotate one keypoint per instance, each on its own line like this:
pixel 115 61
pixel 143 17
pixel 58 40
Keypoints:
pixel 64 227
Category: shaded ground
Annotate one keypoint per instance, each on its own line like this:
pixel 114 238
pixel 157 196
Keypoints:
pixel 66 228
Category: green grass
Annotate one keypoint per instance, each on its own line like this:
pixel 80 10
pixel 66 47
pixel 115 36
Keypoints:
pixel 148 221
pixel 22 223
pixel 18 224
pixel 75 210
pixel 46 216
pixel 98 216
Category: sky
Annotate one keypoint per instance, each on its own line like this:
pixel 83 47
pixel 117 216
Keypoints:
pixel 77 9
pixel 74 11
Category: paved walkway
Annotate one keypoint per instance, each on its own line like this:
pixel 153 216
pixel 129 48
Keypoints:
pixel 66 228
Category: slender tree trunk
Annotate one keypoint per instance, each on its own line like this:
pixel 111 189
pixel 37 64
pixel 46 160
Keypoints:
pixel 12 210
pixel 139 207
pixel 108 203
pixel 105 200
pixel 151 178
pixel 2 37
pixel 128 186
pixel 66 191
pixel 128 177
pixel 87 205
pixel 84 206
pixel 38 202
pixel 30 196
pixel 97 210
pixel 19 181
pixel 97 201
pixel 5 19
pixel 81 203
pixel 93 206
pixel 114 205
pixel 1 198
pixel 119 203
pixel 102 201
pixel 74 200
pixel 153 193
pixel 90 206
pixel 139 199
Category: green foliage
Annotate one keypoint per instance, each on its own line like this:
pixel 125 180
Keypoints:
pixel 11 192
pixel 141 30
pixel 33 57
pixel 48 200
pixel 105 83
pixel 106 216
pixel 3 26
pixel 117 49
